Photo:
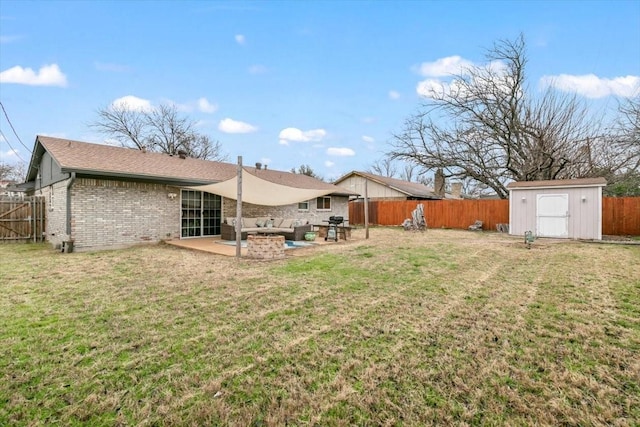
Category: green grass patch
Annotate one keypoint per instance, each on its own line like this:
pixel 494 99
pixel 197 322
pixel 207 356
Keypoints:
pixel 436 328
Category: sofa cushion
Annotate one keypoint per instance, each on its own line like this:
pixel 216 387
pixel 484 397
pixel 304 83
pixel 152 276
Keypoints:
pixel 277 222
pixel 260 223
pixel 231 220
pixel 286 223
pixel 249 222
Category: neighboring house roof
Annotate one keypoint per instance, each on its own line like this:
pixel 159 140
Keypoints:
pixel 411 189
pixel 88 159
pixel 581 182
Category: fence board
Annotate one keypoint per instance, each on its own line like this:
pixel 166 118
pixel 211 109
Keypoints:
pixel 620 215
pixel 437 213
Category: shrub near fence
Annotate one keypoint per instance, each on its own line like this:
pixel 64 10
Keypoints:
pixel 620 215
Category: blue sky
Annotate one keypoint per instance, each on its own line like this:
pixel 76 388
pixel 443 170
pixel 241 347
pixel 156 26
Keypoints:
pixel 285 83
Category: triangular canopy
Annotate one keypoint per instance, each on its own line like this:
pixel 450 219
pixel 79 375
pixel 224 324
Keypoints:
pixel 259 191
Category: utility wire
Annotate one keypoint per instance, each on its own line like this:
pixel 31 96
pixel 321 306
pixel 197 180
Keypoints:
pixel 13 129
pixel 13 149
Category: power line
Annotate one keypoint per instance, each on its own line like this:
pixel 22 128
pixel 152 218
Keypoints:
pixel 12 149
pixel 13 129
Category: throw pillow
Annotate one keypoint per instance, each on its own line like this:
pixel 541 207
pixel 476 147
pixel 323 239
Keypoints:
pixel 269 223
pixel 261 223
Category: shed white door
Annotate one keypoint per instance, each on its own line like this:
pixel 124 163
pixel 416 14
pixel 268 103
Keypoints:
pixel 552 214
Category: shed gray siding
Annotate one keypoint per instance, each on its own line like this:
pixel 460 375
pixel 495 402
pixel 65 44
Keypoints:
pixel 585 216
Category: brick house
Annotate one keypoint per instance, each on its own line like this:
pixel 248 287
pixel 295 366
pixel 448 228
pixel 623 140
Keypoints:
pixel 100 196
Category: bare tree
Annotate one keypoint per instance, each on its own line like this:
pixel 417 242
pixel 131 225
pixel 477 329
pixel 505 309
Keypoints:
pixel 621 166
pixel 384 167
pixel 486 126
pixel 159 129
pixel 307 170
pixel 407 171
pixel 13 172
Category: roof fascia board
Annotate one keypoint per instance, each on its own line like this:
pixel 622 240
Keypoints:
pixel 547 187
pixel 83 173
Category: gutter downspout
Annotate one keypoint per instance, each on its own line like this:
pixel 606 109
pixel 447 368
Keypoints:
pixel 69 184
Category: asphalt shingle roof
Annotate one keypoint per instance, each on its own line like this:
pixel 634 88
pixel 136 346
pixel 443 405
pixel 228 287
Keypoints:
pixel 107 160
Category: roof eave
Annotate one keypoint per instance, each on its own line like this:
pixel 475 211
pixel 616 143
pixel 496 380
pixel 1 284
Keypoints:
pixel 138 177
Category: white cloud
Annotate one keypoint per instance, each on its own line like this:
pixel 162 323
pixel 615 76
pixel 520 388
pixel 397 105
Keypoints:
pixel 394 94
pixel 132 103
pixel 428 87
pixel 296 135
pixel 240 39
pixel 340 152
pixel 329 163
pixel 257 69
pixel 234 126
pixel 48 75
pixel 368 139
pixel 9 154
pixel 444 67
pixel 592 86
pixel 206 107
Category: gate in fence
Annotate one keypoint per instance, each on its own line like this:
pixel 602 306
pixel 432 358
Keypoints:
pixel 22 219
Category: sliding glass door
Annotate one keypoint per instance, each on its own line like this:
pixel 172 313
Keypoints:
pixel 201 214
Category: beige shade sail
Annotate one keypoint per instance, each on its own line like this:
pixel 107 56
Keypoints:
pixel 259 191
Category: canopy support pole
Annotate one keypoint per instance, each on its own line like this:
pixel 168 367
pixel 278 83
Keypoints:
pixel 239 210
pixel 366 210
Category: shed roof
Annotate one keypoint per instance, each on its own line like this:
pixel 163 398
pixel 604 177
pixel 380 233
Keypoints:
pixel 126 163
pixel 557 183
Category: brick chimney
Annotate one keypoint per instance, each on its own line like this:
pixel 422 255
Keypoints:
pixel 456 190
pixel 438 183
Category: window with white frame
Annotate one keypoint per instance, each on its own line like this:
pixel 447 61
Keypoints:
pixel 303 206
pixel 323 203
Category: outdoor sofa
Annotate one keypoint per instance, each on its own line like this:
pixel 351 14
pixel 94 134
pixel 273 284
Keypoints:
pixel 291 229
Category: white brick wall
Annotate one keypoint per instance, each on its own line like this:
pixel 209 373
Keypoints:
pixel 111 214
pixel 339 207
pixel 116 213
pixel 55 197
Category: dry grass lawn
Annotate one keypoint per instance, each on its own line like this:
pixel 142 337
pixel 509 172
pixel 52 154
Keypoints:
pixel 435 328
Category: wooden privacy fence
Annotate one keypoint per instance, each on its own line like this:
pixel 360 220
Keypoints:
pixel 437 213
pixel 22 219
pixel 620 215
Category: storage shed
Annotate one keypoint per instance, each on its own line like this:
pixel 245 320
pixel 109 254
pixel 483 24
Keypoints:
pixel 570 208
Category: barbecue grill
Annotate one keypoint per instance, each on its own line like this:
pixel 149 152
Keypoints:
pixel 332 231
